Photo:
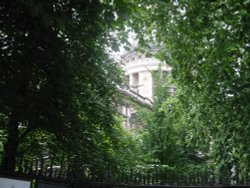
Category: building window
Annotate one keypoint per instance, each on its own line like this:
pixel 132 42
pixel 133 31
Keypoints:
pixel 134 121
pixel 135 82
pixel 126 81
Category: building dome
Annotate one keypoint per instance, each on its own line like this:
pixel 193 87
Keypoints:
pixel 139 70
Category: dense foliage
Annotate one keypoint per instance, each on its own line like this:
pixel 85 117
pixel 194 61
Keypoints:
pixel 207 43
pixel 166 133
pixel 58 82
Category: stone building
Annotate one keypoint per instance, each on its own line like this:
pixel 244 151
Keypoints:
pixel 139 87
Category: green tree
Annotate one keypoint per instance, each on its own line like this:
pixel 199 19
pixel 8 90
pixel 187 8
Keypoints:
pixel 166 128
pixel 207 45
pixel 56 76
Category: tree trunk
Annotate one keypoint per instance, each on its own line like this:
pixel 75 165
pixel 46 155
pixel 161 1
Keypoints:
pixel 10 147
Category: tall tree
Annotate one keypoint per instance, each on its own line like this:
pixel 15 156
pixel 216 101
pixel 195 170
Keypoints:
pixel 208 45
pixel 55 72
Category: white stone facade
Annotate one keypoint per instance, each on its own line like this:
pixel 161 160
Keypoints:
pixel 139 69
